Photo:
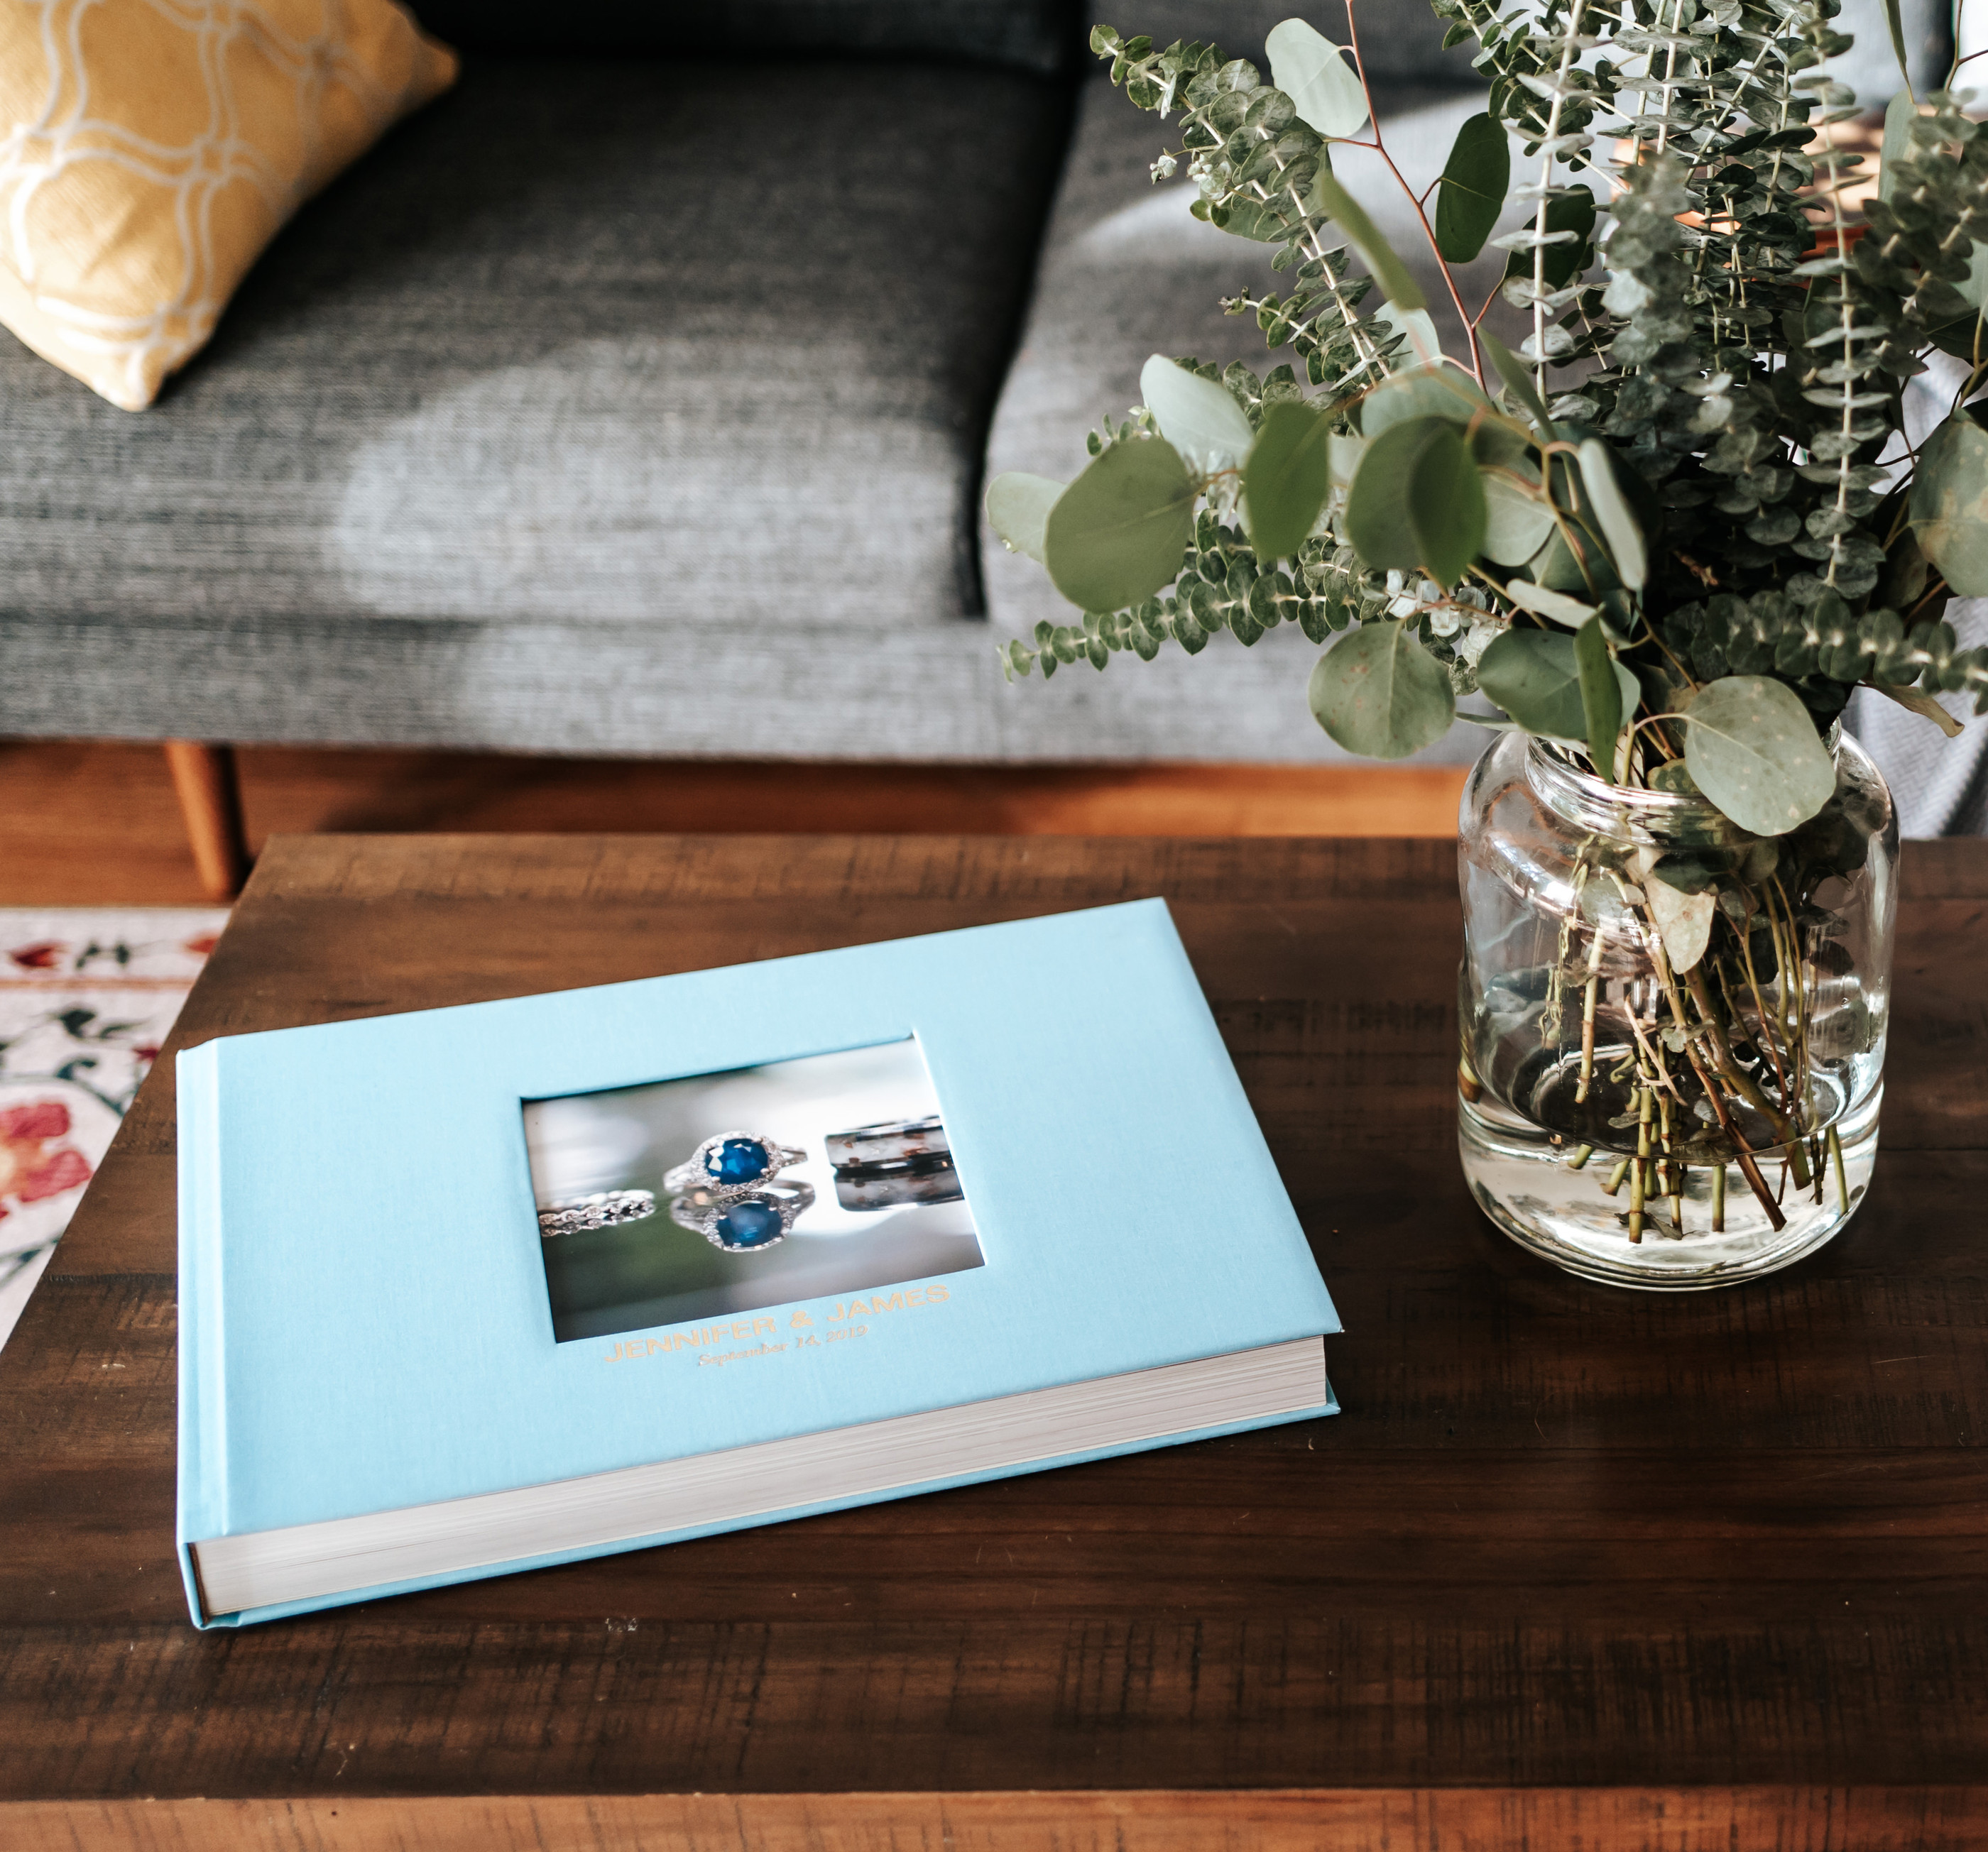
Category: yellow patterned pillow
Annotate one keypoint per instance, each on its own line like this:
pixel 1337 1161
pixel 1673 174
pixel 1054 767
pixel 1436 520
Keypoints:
pixel 150 149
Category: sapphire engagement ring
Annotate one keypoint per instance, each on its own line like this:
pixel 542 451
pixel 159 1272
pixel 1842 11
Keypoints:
pixel 731 1164
pixel 602 1210
pixel 743 1222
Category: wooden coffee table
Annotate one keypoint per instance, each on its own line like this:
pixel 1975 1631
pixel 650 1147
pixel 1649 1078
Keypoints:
pixel 1576 1564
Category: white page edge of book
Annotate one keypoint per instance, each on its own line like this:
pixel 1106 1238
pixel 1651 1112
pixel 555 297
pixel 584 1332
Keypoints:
pixel 314 1562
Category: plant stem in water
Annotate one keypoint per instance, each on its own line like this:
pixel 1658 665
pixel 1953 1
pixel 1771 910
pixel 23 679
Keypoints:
pixel 1588 991
pixel 1836 1161
pixel 1672 1179
pixel 1639 1171
pixel 1743 1156
pixel 1747 1090
pixel 1719 1199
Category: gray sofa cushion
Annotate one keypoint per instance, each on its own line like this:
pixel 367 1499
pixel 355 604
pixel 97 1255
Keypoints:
pixel 1036 35
pixel 1126 272
pixel 1939 785
pixel 604 407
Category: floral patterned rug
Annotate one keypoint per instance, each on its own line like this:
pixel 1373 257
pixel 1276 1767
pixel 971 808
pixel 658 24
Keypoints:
pixel 86 996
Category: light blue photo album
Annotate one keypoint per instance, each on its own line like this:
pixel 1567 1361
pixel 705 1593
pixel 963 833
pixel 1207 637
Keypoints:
pixel 476 1290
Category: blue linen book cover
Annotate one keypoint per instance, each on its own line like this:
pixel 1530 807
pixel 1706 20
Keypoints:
pixel 427 1257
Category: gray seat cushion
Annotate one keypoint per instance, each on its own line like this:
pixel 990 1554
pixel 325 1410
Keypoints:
pixel 613 407
pixel 1939 785
pixel 1128 271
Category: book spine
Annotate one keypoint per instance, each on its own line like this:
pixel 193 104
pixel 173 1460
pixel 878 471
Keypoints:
pixel 203 1440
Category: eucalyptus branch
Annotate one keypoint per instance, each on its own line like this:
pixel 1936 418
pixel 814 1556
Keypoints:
pixel 1380 148
pixel 1710 485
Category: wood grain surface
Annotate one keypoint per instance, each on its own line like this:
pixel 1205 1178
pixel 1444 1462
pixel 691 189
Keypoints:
pixel 1576 1566
pixel 1342 1819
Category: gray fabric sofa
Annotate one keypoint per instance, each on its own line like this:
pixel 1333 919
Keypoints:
pixel 637 396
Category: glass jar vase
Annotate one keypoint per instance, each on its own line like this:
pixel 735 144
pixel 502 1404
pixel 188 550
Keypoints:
pixel 1673 1031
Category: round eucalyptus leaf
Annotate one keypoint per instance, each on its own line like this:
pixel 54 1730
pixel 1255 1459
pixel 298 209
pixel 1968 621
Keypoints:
pixel 1288 478
pixel 1516 519
pixel 1018 509
pixel 1535 676
pixel 1689 870
pixel 1753 749
pixel 1683 920
pixel 1310 70
pixel 1377 506
pixel 1950 503
pixel 1554 568
pixel 1197 416
pixel 1472 192
pixel 1501 441
pixel 1379 693
pixel 1442 391
pixel 1557 568
pixel 1416 504
pixel 1674 775
pixel 1117 534
pixel 1446 505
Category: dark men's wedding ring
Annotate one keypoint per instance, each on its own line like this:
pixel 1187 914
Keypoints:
pixel 894 1142
pixel 884 1187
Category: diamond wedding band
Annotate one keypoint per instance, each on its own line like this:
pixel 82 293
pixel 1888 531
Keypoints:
pixel 602 1210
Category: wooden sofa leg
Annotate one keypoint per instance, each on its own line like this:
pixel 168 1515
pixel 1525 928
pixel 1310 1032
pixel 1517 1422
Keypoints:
pixel 210 801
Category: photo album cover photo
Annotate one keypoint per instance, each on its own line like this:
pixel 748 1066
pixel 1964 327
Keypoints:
pixel 688 1203
pixel 469 1291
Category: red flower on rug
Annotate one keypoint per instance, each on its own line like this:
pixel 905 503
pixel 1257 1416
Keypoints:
pixel 203 945
pixel 42 957
pixel 34 1164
